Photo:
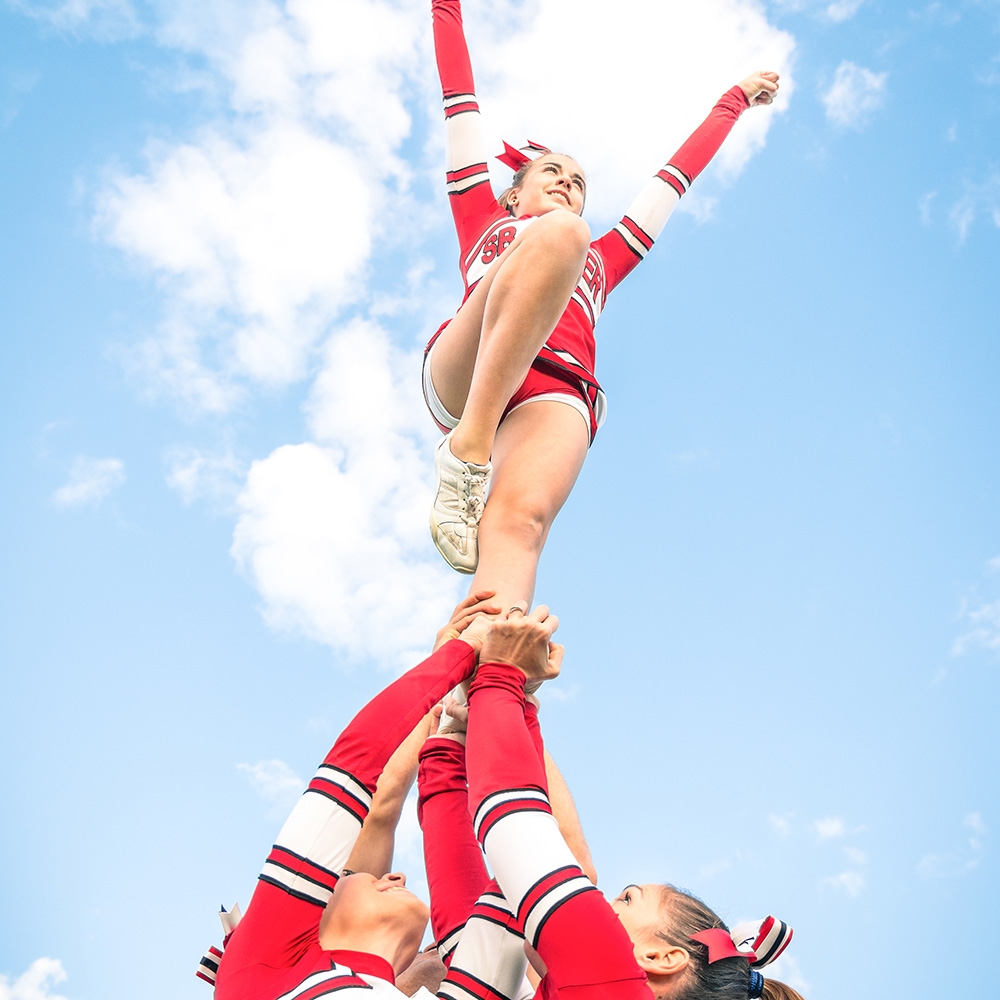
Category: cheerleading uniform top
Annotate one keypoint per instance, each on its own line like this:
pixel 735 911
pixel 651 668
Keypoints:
pixel 274 953
pixel 485 229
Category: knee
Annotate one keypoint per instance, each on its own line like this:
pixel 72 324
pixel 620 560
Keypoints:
pixel 564 231
pixel 524 525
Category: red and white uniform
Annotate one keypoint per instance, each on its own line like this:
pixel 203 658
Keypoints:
pixel 473 924
pixel 485 229
pixel 274 953
pixel 560 913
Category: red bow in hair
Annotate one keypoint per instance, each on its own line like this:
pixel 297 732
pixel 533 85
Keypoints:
pixel 517 158
pixel 760 942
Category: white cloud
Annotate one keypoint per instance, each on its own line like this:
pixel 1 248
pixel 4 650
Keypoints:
pixel 842 10
pixel 854 95
pixel 985 631
pixel 197 475
pixel 90 481
pixel 36 983
pixel 832 826
pixel 273 231
pixel 334 532
pixel 994 565
pixel 855 855
pixel 979 199
pixel 676 65
pixel 275 782
pixel 853 883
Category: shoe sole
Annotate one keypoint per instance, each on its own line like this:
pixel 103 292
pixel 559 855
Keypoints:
pixel 444 555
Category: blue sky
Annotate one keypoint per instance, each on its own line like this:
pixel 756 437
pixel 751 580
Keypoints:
pixel 224 242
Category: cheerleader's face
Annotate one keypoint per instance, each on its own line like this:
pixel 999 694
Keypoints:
pixel 639 908
pixel 552 182
pixel 380 908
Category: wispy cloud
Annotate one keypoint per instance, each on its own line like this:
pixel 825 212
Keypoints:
pixel 980 200
pixel 108 20
pixel 855 94
pixel 36 983
pixel 831 826
pixel 781 825
pixel 13 86
pixel 962 859
pixel 195 475
pixel 786 969
pixel 275 782
pixel 924 203
pixel 985 633
pixel 835 11
pixel 842 10
pixel 90 481
pixel 853 883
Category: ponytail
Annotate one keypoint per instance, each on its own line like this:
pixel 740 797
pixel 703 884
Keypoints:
pixel 724 979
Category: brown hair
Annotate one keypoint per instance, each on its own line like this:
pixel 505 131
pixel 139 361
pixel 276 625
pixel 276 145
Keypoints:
pixel 684 916
pixel 515 183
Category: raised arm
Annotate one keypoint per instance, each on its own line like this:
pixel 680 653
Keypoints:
pixel 313 846
pixel 625 245
pixel 470 195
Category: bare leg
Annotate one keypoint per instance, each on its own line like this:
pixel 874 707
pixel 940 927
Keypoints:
pixel 539 451
pixel 484 353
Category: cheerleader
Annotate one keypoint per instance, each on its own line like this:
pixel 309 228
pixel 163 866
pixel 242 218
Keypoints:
pixel 510 379
pixel 313 926
pixel 652 941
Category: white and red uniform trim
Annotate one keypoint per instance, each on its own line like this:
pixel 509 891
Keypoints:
pixel 274 953
pixel 577 934
pixel 482 947
pixel 485 229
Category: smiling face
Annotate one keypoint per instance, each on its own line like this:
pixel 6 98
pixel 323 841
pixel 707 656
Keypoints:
pixel 552 182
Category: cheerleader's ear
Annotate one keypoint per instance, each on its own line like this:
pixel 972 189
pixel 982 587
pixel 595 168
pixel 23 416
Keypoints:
pixel 662 959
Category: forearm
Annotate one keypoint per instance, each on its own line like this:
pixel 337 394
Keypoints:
pixel 564 810
pixel 648 214
pixel 374 847
pixel 371 738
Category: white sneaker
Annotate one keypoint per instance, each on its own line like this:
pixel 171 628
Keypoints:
pixel 458 507
pixel 460 693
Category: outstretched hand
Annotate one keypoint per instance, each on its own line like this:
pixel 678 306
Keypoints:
pixel 477 605
pixel 760 87
pixel 524 641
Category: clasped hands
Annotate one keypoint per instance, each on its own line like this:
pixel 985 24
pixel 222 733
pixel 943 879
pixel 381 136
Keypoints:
pixel 513 637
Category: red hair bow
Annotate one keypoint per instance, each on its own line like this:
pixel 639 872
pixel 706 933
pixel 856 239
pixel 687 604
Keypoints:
pixel 517 158
pixel 760 942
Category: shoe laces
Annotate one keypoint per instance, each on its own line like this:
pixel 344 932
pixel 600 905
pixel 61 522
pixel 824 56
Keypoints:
pixel 473 499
